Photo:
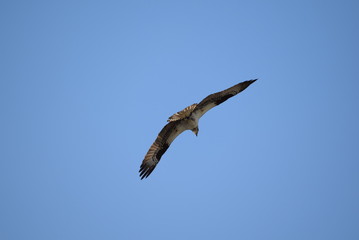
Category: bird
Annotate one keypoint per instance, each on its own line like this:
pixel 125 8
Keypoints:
pixel 186 119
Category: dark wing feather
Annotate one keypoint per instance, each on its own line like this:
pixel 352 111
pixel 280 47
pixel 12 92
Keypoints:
pixel 159 147
pixel 217 98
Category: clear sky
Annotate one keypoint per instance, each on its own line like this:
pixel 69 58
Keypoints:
pixel 85 87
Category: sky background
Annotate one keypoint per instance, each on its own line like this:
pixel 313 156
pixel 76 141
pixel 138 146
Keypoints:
pixel 85 87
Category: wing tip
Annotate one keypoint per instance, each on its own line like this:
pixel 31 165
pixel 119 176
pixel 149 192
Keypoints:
pixel 146 170
pixel 251 81
pixel 245 84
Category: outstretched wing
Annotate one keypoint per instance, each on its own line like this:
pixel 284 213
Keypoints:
pixel 219 97
pixel 160 146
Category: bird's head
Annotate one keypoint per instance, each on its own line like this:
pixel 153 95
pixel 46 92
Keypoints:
pixel 195 130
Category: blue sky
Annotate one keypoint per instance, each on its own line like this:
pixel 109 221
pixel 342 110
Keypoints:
pixel 85 87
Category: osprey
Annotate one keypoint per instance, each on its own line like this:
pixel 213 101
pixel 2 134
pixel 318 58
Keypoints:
pixel 187 119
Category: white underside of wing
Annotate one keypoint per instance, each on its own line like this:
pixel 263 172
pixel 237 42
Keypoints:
pixel 179 129
pixel 197 114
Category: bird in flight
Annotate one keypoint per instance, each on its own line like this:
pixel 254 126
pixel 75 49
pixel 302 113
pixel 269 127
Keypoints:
pixel 187 119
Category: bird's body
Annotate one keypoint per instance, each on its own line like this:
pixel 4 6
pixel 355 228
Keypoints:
pixel 187 119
